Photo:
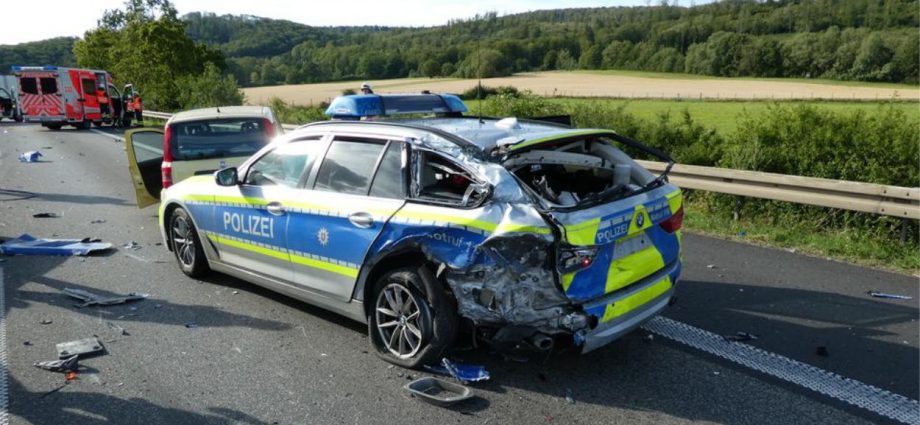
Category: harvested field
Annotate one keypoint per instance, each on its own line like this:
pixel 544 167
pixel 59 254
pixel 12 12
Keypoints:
pixel 611 85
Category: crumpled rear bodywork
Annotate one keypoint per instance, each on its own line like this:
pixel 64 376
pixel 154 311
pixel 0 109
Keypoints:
pixel 499 259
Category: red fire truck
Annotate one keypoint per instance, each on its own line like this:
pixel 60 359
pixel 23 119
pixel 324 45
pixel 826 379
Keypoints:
pixel 56 96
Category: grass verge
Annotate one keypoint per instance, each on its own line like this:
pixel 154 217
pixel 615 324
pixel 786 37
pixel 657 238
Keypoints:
pixel 852 245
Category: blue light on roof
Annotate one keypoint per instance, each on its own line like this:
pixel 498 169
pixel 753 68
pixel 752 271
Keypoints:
pixel 34 68
pixel 364 105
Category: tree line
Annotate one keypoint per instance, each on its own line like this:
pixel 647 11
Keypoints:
pixel 867 40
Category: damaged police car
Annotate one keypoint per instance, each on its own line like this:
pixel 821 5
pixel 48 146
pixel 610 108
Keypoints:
pixel 520 231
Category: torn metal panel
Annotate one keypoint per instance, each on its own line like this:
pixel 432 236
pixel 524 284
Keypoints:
pixel 63 365
pixel 30 245
pixel 91 299
pixel 80 347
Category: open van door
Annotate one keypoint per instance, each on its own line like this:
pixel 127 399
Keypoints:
pixel 145 157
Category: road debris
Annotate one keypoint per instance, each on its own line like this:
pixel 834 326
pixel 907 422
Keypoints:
pixel 120 330
pixel 438 392
pixel 70 375
pixel 132 245
pixel 46 215
pixel 62 365
pixel 46 321
pixel 740 336
pixel 80 347
pixel 459 371
pixel 191 325
pixel 569 397
pixel 91 299
pixel 889 296
pixel 711 266
pixel 648 338
pixel 100 221
pixel 30 156
pixel 27 343
pixel 29 245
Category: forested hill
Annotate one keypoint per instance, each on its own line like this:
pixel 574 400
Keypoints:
pixel 873 40
pixel 869 40
pixel 55 51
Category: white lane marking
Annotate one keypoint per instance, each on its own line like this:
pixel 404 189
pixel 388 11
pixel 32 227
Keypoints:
pixel 109 135
pixel 4 395
pixel 851 391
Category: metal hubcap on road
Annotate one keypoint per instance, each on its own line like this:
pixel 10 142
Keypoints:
pixel 183 241
pixel 397 321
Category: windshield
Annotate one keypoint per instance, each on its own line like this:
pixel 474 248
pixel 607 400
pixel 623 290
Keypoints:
pixel 231 137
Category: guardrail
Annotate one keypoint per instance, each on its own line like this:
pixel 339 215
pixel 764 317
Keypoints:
pixel 895 201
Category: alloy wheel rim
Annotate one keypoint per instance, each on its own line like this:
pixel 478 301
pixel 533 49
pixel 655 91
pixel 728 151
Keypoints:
pixel 183 241
pixel 397 314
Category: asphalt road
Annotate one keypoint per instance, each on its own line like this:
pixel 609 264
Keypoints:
pixel 255 357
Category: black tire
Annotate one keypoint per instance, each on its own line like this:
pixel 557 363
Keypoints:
pixel 53 127
pixel 97 123
pixel 436 321
pixel 186 245
pixel 84 125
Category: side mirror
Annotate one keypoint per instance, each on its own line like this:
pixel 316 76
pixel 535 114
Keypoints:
pixel 227 177
pixel 476 194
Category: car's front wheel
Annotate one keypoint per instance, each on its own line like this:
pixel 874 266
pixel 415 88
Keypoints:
pixel 413 320
pixel 186 245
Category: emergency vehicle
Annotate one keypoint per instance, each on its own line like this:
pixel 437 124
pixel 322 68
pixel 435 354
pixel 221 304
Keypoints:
pixel 57 96
pixel 520 232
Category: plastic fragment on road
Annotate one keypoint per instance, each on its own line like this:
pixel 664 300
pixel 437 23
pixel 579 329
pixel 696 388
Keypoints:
pixel 740 336
pixel 890 296
pixel 132 245
pixel 91 299
pixel 46 215
pixel 30 245
pixel 118 329
pixel 30 156
pixel 438 392
pixel 80 347
pixel 459 371
pixel 62 365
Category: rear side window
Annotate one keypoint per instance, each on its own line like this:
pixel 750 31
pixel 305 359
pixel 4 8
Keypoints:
pixel 89 87
pixel 28 85
pixel 388 182
pixel 223 138
pixel 286 165
pixel 348 166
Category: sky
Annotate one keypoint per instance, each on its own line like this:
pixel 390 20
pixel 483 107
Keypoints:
pixel 73 18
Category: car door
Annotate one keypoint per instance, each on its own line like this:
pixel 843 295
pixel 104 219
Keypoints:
pixel 90 98
pixel 145 156
pixel 252 218
pixel 351 196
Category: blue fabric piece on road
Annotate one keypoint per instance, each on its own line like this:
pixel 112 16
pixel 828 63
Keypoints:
pixel 461 372
pixel 30 156
pixel 29 245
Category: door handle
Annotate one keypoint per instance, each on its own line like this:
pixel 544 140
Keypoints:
pixel 275 208
pixel 361 219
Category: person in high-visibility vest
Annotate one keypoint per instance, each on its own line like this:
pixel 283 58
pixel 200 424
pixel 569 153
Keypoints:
pixel 138 107
pixel 103 99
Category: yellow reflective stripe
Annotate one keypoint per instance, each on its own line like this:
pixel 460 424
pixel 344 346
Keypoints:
pixel 632 268
pixel 274 253
pixel 322 265
pixel 465 221
pixel 634 226
pixel 239 200
pixel 521 228
pixel 636 300
pixel 675 200
pixel 297 259
pixel 583 233
pixel 557 137
pixel 199 198
pixel 567 280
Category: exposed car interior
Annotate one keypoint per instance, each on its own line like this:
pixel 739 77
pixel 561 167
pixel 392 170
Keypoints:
pixel 441 180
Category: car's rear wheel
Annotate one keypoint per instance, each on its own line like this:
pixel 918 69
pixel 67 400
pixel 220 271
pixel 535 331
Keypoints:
pixel 53 127
pixel 186 245
pixel 413 320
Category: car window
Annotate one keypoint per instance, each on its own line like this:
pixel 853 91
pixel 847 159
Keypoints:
pixel 49 85
pixel 349 165
pixel 285 165
pixel 206 139
pixel 388 182
pixel 28 85
pixel 440 179
pixel 89 87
